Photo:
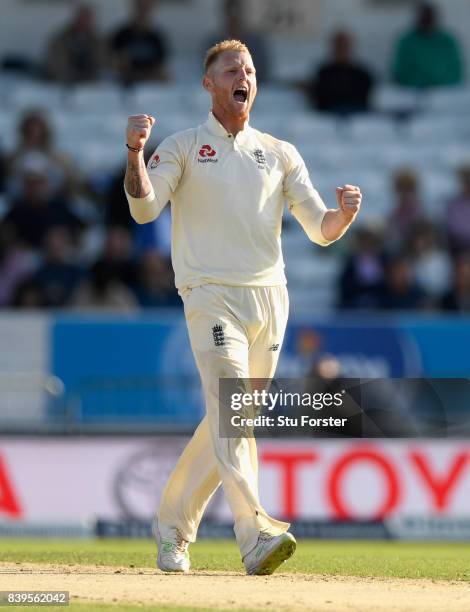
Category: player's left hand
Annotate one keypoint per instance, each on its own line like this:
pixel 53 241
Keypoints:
pixel 349 198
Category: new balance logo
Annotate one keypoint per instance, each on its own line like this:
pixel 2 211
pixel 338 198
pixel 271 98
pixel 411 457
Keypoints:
pixel 273 347
pixel 167 546
pixel 218 334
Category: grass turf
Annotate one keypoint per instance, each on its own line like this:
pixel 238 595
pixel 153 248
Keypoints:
pixel 438 561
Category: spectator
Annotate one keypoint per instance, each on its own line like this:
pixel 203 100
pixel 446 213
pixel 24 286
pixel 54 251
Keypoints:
pixel 118 256
pixel 234 27
pixel 103 291
pixel 458 214
pixel 140 50
pixel 155 235
pixel 116 208
pixel 37 209
pixel 408 208
pixel 156 283
pixel 427 55
pixel 341 85
pixel 458 298
pixel 430 262
pixel 28 295
pixel 400 291
pixel 362 275
pixel 76 53
pixel 35 136
pixel 2 169
pixel 17 262
pixel 58 276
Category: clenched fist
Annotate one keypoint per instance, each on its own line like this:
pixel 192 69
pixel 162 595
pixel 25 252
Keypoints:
pixel 349 200
pixel 138 130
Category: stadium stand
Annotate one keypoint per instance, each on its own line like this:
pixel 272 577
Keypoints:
pixel 425 130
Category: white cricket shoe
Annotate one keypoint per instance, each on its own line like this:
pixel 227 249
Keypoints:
pixel 269 553
pixel 173 554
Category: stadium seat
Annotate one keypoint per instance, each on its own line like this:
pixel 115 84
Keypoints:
pixel 312 128
pixel 105 157
pixel 323 155
pixel 156 99
pixel 389 98
pixel 39 96
pixel 8 131
pixel 449 100
pixel 371 128
pixel 284 100
pixel 295 243
pixel 92 156
pixel 169 123
pixel 453 155
pixel 96 98
pixel 432 128
pixel 196 99
pixel 437 188
pixel 109 127
pixel 270 123
pixel 407 154
pixel 311 268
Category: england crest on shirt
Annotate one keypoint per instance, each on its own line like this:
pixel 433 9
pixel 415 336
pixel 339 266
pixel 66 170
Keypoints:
pixel 260 158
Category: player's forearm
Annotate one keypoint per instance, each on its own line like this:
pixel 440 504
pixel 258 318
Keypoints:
pixel 310 215
pixel 143 204
pixel 335 224
pixel 136 181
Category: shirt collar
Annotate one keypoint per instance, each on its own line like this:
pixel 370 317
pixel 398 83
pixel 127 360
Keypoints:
pixel 216 128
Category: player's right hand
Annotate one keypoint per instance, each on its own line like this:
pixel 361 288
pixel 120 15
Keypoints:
pixel 138 130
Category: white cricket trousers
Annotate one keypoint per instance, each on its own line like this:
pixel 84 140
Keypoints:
pixel 253 321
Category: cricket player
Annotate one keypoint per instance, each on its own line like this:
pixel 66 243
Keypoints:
pixel 227 184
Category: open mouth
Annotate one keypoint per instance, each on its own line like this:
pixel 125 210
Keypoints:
pixel 240 94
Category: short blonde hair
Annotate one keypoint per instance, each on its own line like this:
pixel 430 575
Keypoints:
pixel 225 45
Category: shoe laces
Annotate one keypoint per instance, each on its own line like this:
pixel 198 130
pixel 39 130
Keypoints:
pixel 264 537
pixel 174 544
pixel 181 544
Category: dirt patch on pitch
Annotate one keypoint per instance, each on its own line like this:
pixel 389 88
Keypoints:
pixel 212 590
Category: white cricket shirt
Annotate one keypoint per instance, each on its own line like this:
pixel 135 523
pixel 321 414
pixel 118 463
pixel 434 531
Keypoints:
pixel 227 197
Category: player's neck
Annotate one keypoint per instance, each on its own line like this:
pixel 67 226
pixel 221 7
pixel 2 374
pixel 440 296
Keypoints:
pixel 232 124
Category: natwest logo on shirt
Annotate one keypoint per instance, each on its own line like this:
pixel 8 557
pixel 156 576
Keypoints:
pixel 207 154
pixel 154 162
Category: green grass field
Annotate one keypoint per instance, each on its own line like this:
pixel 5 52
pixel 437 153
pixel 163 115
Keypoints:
pixel 391 560
pixel 437 561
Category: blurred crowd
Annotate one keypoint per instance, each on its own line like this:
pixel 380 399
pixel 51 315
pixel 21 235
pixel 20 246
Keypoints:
pixel 412 261
pixel 425 55
pixel 137 51
pixel 55 253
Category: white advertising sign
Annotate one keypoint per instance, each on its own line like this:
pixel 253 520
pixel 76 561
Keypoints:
pixel 116 478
